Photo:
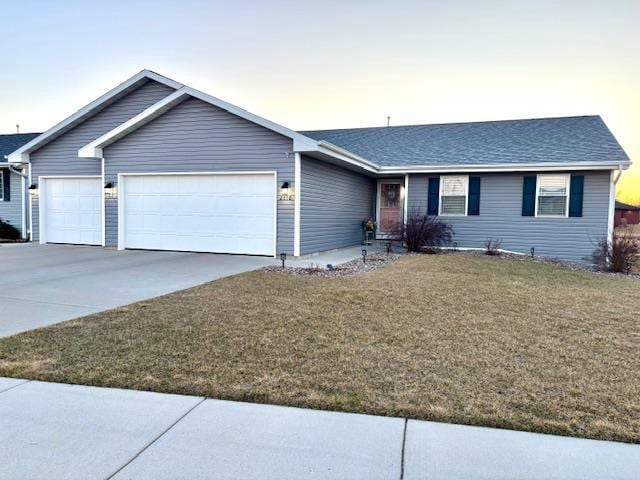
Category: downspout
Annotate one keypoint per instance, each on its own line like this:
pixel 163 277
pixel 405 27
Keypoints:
pixel 12 169
pixel 25 180
pixel 612 202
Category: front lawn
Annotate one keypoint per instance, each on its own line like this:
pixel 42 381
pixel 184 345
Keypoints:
pixel 452 338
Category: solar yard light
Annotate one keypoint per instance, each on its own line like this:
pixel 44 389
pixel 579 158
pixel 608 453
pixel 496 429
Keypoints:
pixel 283 257
pixel 364 256
pixel 533 251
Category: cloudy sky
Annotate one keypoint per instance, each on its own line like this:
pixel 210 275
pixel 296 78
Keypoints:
pixel 332 64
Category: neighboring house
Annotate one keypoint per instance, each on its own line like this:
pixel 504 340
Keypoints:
pixel 626 214
pixel 13 204
pixel 154 164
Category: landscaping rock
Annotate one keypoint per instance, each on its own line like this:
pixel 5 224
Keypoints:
pixel 354 267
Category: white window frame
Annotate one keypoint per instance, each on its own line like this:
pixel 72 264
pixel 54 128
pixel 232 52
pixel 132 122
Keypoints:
pixel 466 196
pixel 1 185
pixel 567 177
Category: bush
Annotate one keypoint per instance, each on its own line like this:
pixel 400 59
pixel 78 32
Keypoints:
pixel 619 255
pixel 423 231
pixel 8 231
pixel 492 247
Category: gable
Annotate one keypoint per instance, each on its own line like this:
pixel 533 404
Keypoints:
pixel 115 113
pixel 195 128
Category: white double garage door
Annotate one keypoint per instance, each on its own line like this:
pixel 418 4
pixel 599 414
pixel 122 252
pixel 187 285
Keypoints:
pixel 195 212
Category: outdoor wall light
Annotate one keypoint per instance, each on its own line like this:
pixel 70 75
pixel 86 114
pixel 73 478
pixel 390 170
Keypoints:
pixel 33 190
pixel 110 190
pixel 286 191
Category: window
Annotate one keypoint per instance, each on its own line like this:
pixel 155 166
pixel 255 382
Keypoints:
pixel 2 184
pixel 552 196
pixel 453 195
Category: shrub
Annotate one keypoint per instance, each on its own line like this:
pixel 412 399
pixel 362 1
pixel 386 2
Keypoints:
pixel 8 231
pixel 619 254
pixel 492 247
pixel 423 231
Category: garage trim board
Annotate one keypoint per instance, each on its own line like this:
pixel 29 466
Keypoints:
pixel 123 212
pixel 78 239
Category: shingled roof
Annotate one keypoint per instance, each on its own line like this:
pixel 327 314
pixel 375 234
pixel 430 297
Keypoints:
pixel 11 142
pixel 544 140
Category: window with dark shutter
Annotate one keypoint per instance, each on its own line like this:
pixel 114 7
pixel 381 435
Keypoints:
pixel 529 196
pixel 5 186
pixel 474 196
pixel 576 194
pixel 434 196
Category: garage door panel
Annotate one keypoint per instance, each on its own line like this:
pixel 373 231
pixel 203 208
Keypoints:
pixel 202 212
pixel 72 210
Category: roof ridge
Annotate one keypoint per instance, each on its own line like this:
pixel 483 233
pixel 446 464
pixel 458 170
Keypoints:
pixel 531 119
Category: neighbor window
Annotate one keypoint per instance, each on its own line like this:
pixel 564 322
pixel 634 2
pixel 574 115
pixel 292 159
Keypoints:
pixel 453 194
pixel 552 196
pixel 1 184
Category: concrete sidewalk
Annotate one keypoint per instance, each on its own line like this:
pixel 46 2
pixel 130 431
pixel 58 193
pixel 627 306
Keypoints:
pixel 55 431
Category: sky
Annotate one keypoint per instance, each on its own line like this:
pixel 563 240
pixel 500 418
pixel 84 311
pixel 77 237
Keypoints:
pixel 334 64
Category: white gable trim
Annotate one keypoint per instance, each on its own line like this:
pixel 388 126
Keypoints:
pixel 94 149
pixel 22 154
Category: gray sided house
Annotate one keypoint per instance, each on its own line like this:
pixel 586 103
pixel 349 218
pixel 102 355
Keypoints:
pixel 13 202
pixel 154 164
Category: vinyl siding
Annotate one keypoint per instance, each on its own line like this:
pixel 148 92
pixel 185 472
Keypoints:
pixel 11 211
pixel 60 157
pixel 571 238
pixel 198 137
pixel 333 203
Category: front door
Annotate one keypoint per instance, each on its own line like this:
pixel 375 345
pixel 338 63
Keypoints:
pixel 389 206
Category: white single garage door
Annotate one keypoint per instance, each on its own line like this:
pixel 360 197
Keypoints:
pixel 71 210
pixel 219 213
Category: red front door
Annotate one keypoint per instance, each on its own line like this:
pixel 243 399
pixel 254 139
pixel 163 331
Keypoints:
pixel 390 207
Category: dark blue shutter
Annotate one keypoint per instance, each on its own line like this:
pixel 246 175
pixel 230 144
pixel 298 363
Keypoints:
pixel 434 196
pixel 576 191
pixel 529 196
pixel 474 196
pixel 6 185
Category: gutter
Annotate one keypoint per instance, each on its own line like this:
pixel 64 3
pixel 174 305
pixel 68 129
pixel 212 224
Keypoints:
pixel 12 169
pixel 346 156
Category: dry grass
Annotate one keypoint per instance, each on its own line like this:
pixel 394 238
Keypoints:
pixel 450 338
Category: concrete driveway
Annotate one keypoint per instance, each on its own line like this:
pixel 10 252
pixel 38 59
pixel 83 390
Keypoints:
pixel 44 284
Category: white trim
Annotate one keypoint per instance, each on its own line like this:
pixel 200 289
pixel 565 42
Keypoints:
pixel 405 194
pixel 346 156
pixel 24 192
pixel 94 148
pixel 41 202
pixel 31 206
pixel 22 154
pixel 23 202
pixel 506 167
pixel 612 205
pixel 568 186
pixel 387 181
pixel 275 214
pixel 466 197
pixel 104 208
pixel 296 201
pixel 122 196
